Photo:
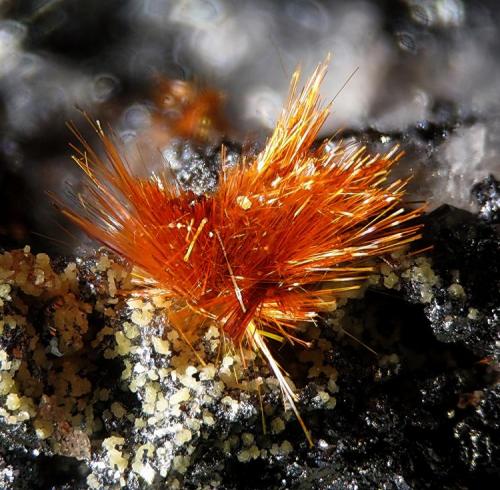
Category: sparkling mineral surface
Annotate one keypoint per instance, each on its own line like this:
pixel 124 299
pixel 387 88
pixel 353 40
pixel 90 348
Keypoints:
pixel 400 387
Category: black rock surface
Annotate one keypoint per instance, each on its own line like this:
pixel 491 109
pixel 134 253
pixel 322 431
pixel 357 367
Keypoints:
pixel 466 252
pixel 487 195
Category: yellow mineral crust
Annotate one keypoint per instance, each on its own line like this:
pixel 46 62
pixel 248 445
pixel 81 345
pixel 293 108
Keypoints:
pixel 99 374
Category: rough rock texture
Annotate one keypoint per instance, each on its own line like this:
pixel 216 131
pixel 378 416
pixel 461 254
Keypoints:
pixel 96 391
pixel 88 374
pixel 465 308
pixel 111 397
pixel 196 167
pixel 487 195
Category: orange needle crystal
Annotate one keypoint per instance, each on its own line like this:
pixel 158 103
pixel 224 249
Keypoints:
pixel 280 238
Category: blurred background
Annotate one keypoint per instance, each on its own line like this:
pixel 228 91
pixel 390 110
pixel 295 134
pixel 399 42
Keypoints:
pixel 421 73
